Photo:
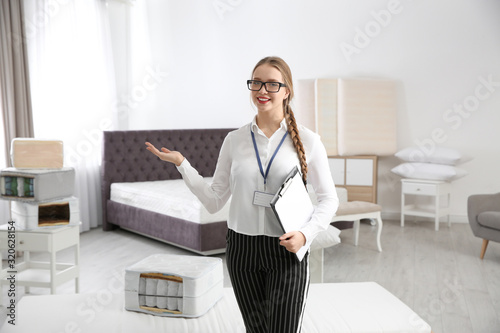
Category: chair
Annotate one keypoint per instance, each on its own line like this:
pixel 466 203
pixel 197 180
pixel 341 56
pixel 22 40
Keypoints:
pixel 350 213
pixel 357 211
pixel 483 211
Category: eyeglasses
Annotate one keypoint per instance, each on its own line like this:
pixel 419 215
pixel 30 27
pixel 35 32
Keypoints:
pixel 272 87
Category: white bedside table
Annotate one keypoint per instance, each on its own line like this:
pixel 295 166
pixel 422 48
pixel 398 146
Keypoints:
pixel 431 188
pixel 41 274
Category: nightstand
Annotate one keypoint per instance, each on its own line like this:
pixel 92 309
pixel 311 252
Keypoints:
pixel 41 274
pixel 430 188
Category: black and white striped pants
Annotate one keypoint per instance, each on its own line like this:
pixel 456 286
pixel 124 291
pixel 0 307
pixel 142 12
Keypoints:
pixel 269 283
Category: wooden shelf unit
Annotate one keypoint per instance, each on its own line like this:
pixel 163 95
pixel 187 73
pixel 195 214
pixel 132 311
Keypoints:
pixel 357 174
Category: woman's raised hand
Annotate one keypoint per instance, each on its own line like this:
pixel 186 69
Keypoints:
pixel 166 155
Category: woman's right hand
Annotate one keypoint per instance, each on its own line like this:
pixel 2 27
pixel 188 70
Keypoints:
pixel 166 155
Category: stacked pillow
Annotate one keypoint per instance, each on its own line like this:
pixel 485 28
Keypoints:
pixel 439 164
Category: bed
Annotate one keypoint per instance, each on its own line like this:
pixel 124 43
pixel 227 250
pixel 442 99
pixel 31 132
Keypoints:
pixel 145 195
pixel 125 162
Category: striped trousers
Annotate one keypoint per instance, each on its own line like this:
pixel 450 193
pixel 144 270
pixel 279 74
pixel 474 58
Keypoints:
pixel 269 283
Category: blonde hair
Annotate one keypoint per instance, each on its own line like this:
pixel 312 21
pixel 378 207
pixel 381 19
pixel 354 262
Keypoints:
pixel 293 131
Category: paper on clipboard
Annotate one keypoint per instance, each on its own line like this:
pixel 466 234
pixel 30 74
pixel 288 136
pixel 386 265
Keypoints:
pixel 292 206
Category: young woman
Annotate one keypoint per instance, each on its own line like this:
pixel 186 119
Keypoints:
pixel 269 282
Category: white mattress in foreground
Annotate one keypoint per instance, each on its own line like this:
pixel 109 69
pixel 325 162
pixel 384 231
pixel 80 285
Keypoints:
pixel 362 307
pixel 168 197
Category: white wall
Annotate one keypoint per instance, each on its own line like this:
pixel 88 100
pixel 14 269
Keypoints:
pixel 439 51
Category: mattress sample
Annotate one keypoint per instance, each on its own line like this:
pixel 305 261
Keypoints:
pixel 34 215
pixel 174 285
pixel 28 153
pixel 168 197
pixel 325 92
pixel 367 117
pixel 37 185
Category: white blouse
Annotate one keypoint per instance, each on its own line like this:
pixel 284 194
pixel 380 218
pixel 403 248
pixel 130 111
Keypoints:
pixel 237 173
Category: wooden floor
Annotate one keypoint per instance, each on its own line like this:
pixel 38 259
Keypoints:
pixel 438 274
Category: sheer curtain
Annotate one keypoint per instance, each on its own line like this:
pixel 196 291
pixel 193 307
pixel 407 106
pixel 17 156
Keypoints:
pixel 73 89
pixel 4 205
pixel 133 59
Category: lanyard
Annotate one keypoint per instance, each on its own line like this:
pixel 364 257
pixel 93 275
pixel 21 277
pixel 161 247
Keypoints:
pixel 272 158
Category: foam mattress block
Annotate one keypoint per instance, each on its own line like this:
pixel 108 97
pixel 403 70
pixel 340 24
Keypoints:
pixel 325 93
pixel 174 285
pixel 34 215
pixel 367 117
pixel 28 153
pixel 37 185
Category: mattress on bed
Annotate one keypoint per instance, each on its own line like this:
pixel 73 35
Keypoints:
pixel 168 197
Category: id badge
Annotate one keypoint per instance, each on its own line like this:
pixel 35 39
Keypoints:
pixel 262 199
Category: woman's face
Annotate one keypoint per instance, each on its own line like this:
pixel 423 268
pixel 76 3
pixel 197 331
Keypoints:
pixel 264 100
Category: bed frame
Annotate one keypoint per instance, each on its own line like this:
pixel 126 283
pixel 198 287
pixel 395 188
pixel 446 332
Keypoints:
pixel 125 159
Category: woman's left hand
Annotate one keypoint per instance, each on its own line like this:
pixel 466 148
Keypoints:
pixel 293 241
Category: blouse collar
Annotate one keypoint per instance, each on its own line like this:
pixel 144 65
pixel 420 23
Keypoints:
pixel 255 128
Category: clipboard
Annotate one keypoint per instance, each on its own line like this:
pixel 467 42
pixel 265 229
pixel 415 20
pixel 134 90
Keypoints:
pixel 293 206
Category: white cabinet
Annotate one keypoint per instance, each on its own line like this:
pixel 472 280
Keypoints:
pixel 359 171
pixel 36 273
pixel 357 174
pixel 337 168
pixel 430 188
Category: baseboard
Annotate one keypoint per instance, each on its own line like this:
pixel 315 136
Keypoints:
pixel 397 216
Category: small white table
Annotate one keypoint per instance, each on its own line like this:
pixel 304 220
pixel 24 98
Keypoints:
pixel 431 188
pixel 41 274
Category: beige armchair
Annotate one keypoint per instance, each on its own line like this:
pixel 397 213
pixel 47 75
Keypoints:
pixel 484 217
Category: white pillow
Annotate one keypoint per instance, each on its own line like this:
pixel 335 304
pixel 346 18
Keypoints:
pixel 327 238
pixel 429 171
pixel 438 155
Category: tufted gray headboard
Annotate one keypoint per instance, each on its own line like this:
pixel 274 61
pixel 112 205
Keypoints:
pixel 125 158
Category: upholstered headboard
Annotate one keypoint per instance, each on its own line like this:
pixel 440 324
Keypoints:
pixel 125 158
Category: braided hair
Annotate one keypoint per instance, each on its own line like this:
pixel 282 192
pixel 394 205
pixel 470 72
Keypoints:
pixel 293 131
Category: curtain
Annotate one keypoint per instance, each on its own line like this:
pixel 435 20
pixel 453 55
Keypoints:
pixel 133 60
pixel 15 99
pixel 4 204
pixel 73 89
